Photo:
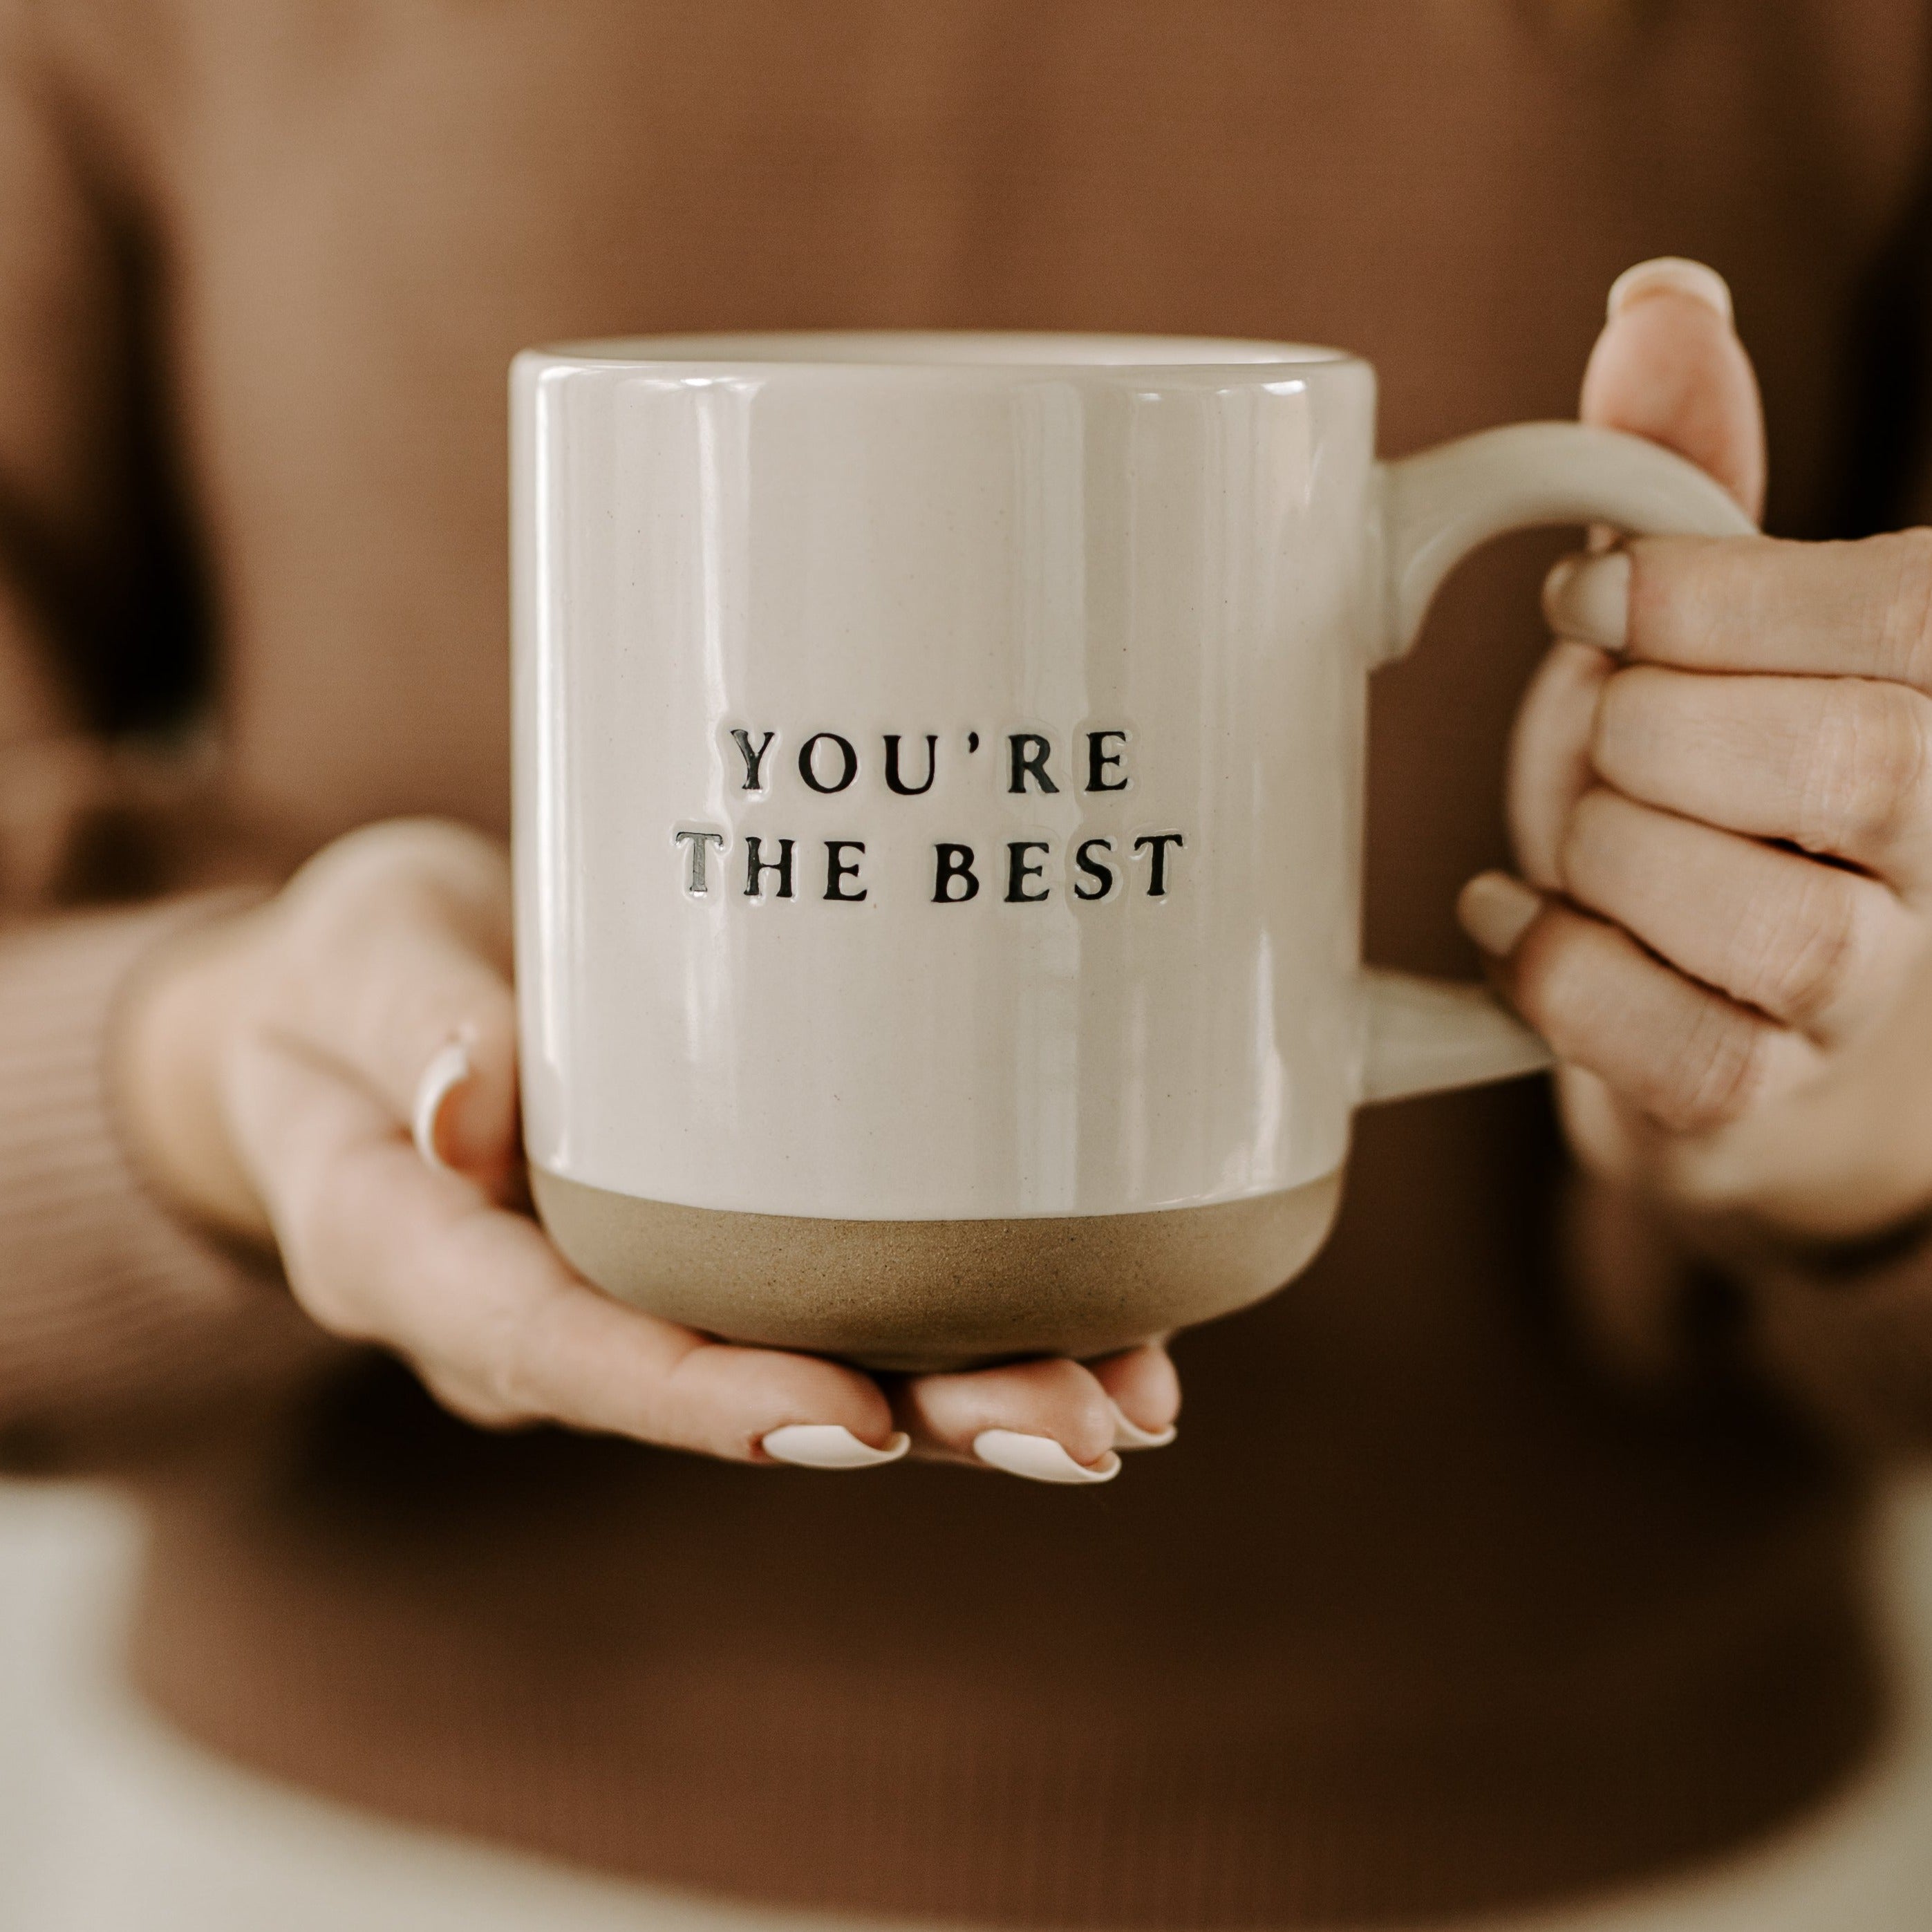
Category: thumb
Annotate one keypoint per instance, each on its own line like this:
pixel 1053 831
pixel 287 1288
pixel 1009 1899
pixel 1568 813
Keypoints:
pixel 1669 366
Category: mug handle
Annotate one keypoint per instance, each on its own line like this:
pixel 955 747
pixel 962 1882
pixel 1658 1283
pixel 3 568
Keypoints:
pixel 1421 1036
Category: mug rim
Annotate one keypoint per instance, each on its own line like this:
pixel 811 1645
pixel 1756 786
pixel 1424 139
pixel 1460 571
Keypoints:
pixel 945 351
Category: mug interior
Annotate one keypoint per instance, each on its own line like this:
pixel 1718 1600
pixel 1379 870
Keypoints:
pixel 957 349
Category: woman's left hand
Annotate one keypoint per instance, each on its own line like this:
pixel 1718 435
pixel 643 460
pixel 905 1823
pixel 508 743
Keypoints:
pixel 1720 796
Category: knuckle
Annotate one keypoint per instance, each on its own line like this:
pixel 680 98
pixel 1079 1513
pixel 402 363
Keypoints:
pixel 472 1350
pixel 1903 590
pixel 501 1389
pixel 322 1288
pixel 360 865
pixel 399 870
pixel 1813 950
pixel 1718 1071
pixel 317 1293
pixel 499 1365
pixel 1867 779
pixel 453 1311
pixel 480 1407
pixel 1710 1067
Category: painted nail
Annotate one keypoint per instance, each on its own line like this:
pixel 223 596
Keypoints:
pixel 824 1445
pixel 1129 1435
pixel 1677 274
pixel 1495 910
pixel 1587 598
pixel 1038 1458
pixel 450 1068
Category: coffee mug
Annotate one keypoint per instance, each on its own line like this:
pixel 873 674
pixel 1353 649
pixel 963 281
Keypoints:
pixel 938 817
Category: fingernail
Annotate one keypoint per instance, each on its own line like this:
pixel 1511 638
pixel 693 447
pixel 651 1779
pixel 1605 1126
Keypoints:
pixel 1495 910
pixel 1675 273
pixel 1129 1435
pixel 441 1078
pixel 824 1445
pixel 1039 1458
pixel 1587 598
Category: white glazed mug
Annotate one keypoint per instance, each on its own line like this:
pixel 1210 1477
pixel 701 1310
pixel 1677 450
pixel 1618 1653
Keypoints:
pixel 938 817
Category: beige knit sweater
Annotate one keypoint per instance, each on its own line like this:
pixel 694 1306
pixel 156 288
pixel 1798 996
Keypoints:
pixel 1438 1603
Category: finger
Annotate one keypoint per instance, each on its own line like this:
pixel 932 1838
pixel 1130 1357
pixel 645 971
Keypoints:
pixel 381 1248
pixel 1668 366
pixel 1689 1058
pixel 393 961
pixel 1841 766
pixel 1813 946
pixel 1550 755
pixel 1145 1393
pixel 1050 1420
pixel 1861 609
pixel 391 1009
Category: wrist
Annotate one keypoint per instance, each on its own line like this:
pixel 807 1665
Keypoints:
pixel 165 1057
pixel 1757 1245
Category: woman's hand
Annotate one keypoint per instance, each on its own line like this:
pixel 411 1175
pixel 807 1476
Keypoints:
pixel 1721 795
pixel 272 1074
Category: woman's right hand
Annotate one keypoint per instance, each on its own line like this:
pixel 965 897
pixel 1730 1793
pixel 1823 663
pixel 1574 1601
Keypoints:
pixel 270 1072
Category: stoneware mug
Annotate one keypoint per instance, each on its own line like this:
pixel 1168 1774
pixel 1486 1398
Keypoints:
pixel 938 818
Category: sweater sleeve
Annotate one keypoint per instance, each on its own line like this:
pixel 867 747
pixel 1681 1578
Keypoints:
pixel 113 1314
pixel 118 1323
pixel 1841 1335
pixel 1850 1337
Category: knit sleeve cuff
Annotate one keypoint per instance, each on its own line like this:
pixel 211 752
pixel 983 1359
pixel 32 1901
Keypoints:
pixel 1841 1333
pixel 1849 1333
pixel 114 1312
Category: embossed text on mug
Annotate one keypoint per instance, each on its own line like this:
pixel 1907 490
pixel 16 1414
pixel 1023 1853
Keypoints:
pixel 1090 863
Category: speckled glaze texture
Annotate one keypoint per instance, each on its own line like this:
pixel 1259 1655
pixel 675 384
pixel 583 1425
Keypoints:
pixel 920 1295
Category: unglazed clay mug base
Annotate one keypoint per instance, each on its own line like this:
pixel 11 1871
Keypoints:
pixel 938 815
pixel 920 1295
